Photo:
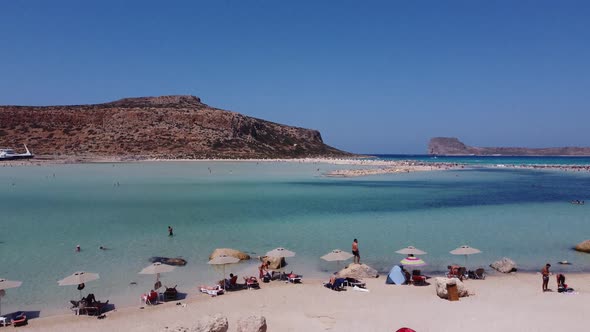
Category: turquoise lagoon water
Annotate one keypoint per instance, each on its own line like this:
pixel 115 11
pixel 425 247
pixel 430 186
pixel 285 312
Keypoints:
pixel 48 210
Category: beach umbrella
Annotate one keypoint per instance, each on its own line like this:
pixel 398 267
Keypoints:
pixel 280 252
pixel 78 278
pixel 6 284
pixel 157 268
pixel 465 250
pixel 410 250
pixel 337 255
pixel 412 261
pixel 223 260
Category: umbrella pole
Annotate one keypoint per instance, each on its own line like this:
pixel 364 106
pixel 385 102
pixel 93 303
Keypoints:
pixel 223 276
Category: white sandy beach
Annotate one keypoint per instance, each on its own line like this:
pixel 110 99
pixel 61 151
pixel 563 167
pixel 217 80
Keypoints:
pixel 512 302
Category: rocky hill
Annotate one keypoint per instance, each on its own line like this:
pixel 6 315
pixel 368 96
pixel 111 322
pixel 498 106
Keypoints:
pixel 452 146
pixel 154 127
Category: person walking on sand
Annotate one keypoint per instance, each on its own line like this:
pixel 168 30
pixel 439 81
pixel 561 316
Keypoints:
pixel 355 251
pixel 545 273
pixel 170 232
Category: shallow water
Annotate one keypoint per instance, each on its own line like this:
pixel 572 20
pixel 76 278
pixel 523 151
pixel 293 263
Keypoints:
pixel 47 210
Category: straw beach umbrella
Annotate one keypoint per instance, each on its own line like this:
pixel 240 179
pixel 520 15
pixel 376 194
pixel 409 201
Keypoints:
pixel 412 261
pixel 410 250
pixel 223 260
pixel 337 255
pixel 78 278
pixel 6 284
pixel 157 268
pixel 465 250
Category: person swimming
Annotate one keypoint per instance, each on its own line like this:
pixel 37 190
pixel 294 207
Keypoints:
pixel 78 248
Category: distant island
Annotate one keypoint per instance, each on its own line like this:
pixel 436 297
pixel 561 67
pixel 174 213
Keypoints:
pixel 165 127
pixel 451 146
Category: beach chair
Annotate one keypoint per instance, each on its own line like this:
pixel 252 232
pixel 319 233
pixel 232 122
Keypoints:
pixel 480 274
pixel 211 290
pixel 417 278
pixel 351 282
pixel 251 282
pixel 294 278
pixel 170 294
pixel 19 319
pixel 338 284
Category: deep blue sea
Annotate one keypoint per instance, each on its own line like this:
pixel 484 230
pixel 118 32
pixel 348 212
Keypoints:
pixel 255 207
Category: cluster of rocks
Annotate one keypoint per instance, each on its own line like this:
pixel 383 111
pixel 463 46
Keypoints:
pixel 504 265
pixel 219 323
pixel 358 271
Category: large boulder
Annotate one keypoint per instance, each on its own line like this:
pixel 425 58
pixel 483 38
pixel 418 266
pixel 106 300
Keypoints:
pixel 504 265
pixel 216 323
pixel 252 324
pixel 440 283
pixel 229 252
pixel 358 271
pixel 275 262
pixel 583 246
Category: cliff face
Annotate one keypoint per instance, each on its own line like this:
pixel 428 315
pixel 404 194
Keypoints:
pixel 160 127
pixel 452 146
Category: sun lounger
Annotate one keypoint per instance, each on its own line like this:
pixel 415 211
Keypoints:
pixel 251 282
pixel 20 319
pixel 211 290
pixel 294 278
pixel 417 278
pixel 351 282
pixel 336 284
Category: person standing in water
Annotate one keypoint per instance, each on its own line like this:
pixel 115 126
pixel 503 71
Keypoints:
pixel 355 251
pixel 170 232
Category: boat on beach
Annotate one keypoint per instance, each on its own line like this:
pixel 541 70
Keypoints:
pixel 10 154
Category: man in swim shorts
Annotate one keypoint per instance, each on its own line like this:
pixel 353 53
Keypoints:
pixel 355 251
pixel 545 273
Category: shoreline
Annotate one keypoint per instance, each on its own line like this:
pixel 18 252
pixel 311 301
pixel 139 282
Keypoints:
pixel 371 166
pixel 312 307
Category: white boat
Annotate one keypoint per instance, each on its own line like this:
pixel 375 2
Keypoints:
pixel 9 154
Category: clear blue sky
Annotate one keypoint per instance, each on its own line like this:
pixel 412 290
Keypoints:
pixel 373 77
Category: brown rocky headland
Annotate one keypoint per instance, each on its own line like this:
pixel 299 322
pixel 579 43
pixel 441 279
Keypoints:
pixel 451 146
pixel 165 127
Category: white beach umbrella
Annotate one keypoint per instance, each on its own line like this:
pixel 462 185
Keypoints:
pixel 157 268
pixel 280 252
pixel 223 260
pixel 337 255
pixel 410 250
pixel 6 284
pixel 465 250
pixel 78 278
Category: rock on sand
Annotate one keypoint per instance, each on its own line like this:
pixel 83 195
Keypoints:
pixel 505 265
pixel 583 246
pixel 252 324
pixel 358 271
pixel 217 323
pixel 229 252
pixel 441 287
